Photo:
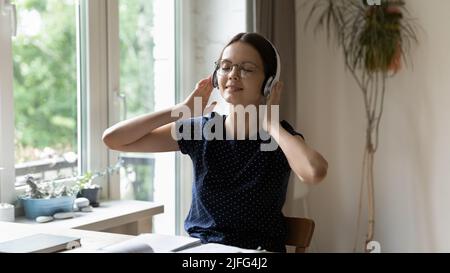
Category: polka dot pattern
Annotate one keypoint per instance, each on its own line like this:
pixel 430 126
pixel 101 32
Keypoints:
pixel 238 190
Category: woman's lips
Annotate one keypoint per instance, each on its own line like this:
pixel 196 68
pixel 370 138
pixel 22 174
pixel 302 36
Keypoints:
pixel 234 89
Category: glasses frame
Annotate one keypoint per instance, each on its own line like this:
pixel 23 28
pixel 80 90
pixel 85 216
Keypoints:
pixel 243 72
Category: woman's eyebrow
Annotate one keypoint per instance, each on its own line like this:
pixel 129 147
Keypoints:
pixel 245 62
pixel 248 62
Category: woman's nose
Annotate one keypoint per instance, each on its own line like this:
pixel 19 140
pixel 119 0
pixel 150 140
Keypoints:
pixel 235 73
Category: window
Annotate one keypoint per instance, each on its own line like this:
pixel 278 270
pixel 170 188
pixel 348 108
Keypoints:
pixel 137 86
pixel 74 69
pixel 6 105
pixel 146 84
pixel 38 98
pixel 45 89
pixel 77 67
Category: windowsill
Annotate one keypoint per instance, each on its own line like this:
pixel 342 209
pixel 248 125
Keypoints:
pixel 125 217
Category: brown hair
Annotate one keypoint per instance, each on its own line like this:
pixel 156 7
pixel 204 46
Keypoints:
pixel 264 48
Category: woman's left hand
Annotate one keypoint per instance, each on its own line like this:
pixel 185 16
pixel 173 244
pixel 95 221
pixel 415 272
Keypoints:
pixel 273 99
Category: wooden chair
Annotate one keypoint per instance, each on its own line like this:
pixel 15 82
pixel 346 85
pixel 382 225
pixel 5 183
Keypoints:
pixel 300 232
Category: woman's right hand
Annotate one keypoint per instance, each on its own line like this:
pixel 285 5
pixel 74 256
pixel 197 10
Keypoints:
pixel 203 90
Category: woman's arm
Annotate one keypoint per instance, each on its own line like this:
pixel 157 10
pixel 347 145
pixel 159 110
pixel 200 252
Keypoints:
pixel 146 133
pixel 308 164
pixel 151 133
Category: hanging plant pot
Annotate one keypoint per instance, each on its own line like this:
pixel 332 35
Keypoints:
pixel 396 62
pixel 380 40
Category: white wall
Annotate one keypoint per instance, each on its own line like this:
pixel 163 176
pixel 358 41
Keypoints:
pixel 412 166
pixel 213 24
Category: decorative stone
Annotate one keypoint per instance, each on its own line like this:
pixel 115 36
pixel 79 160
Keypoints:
pixel 44 219
pixel 64 215
pixel 81 202
pixel 87 209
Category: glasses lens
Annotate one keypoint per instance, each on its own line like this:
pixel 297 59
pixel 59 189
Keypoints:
pixel 225 67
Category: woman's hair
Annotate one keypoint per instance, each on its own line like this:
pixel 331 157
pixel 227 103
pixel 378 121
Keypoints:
pixel 264 48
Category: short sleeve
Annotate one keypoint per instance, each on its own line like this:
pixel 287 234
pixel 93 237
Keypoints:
pixel 187 133
pixel 290 129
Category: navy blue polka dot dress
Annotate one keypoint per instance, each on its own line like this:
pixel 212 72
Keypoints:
pixel 238 190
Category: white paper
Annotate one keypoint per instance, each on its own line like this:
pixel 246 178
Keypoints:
pixel 218 248
pixel 128 247
pixel 149 242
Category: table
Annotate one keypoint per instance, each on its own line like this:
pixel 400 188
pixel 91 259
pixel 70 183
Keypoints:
pixel 129 217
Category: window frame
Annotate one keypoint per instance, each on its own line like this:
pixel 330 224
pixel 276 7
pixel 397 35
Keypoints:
pixel 7 169
pixel 165 192
pixel 98 86
pixel 92 88
pixel 92 93
pixel 113 59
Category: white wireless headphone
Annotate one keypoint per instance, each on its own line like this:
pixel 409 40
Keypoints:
pixel 272 81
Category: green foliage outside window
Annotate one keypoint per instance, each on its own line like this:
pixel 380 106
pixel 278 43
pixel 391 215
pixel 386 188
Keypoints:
pixel 45 77
pixel 45 72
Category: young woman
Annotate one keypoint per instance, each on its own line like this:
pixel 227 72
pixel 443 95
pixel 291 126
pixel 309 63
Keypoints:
pixel 239 190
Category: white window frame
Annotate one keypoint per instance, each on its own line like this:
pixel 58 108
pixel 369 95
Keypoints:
pixel 93 93
pixel 184 48
pixel 114 85
pixel 7 171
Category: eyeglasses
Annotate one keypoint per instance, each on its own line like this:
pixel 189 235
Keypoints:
pixel 225 67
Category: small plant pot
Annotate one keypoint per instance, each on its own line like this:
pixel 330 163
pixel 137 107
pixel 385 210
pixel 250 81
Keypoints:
pixel 93 195
pixel 47 207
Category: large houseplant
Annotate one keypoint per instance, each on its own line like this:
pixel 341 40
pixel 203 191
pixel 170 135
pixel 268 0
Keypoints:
pixel 374 40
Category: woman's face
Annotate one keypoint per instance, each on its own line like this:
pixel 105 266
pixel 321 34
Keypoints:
pixel 234 88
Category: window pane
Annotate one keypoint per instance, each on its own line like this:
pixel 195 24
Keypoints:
pixel 137 85
pixel 45 89
pixel 146 79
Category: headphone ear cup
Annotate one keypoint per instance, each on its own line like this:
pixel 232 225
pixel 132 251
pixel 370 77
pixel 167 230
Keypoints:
pixel 268 87
pixel 215 82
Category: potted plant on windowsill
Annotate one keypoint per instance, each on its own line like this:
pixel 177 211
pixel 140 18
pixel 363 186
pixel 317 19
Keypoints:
pixel 46 199
pixel 88 190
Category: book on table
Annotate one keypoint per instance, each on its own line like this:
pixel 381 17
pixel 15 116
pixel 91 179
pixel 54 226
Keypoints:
pixel 158 243
pixel 40 243
pixel 152 243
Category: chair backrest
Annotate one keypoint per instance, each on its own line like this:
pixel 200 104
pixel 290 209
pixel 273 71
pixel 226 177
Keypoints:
pixel 300 232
